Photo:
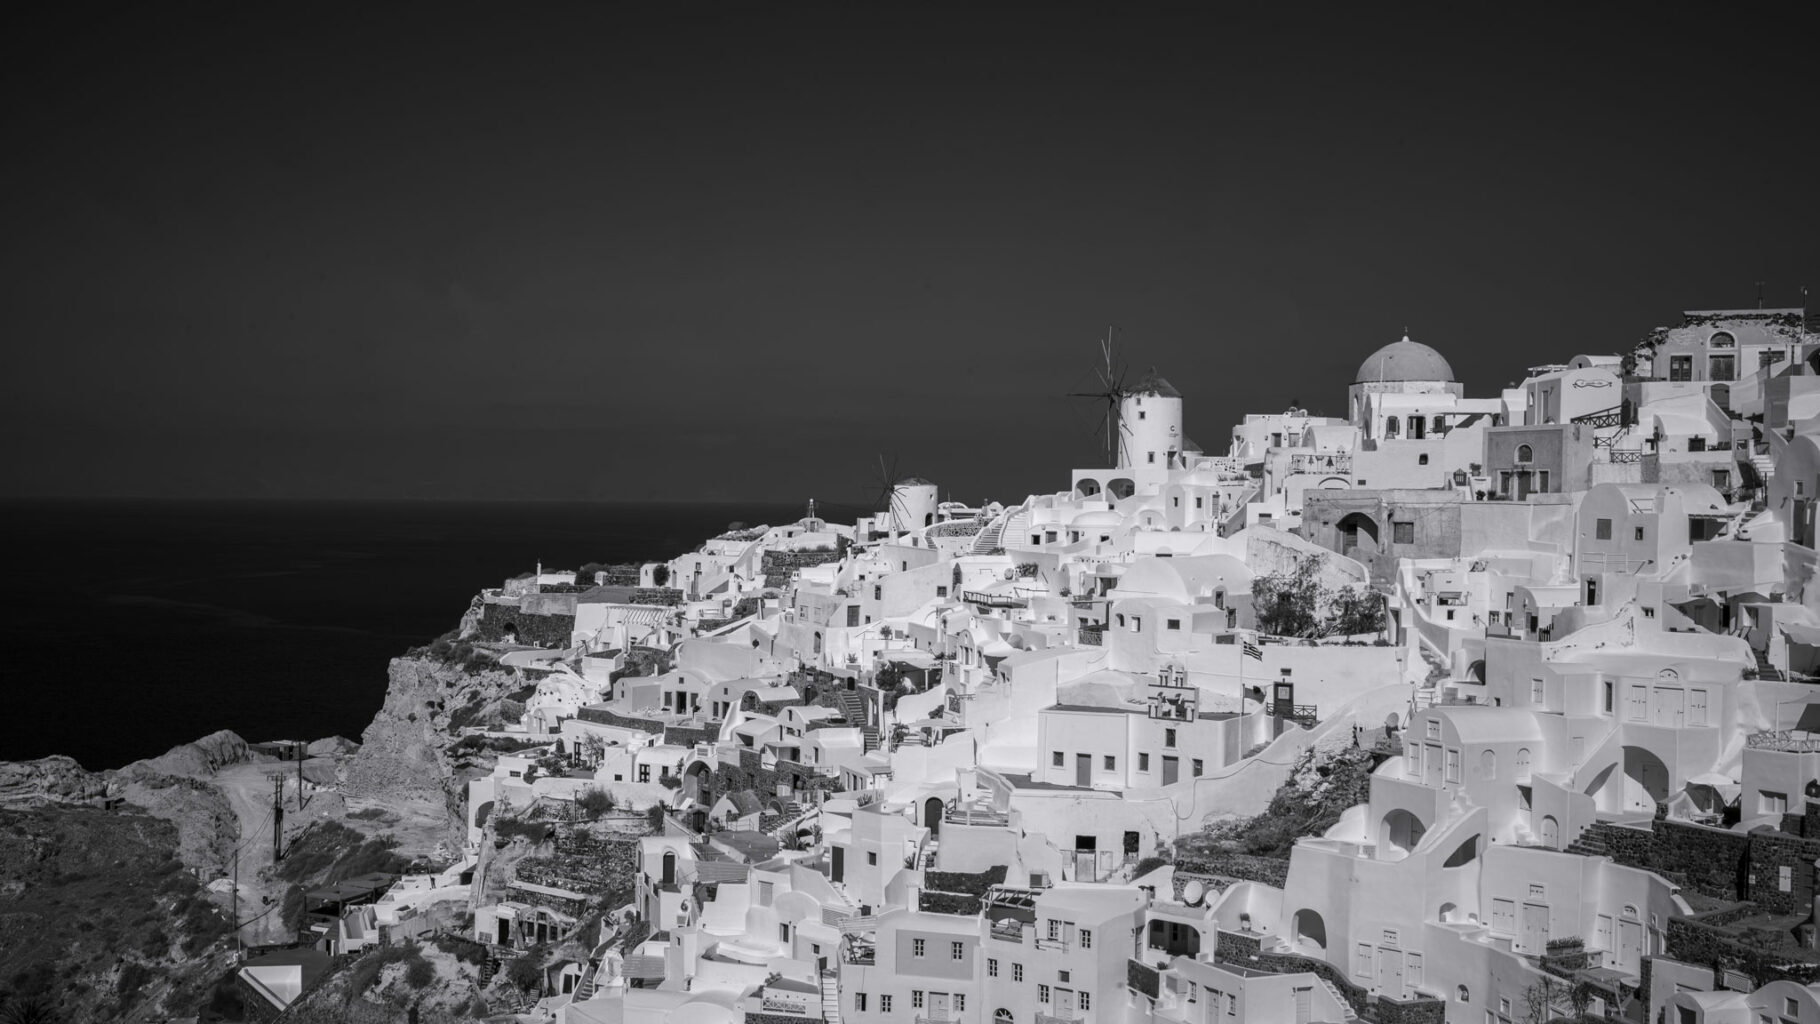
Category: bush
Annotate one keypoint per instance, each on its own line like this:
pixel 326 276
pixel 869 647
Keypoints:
pixel 1149 864
pixel 419 972
pixel 526 972
pixel 654 817
pixel 594 801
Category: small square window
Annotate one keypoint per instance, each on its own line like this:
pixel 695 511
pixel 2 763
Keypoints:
pixel 1143 762
pixel 1638 533
pixel 992 967
pixel 1403 533
pixel 918 947
pixel 916 999
pixel 1055 759
pixel 1173 623
pixel 1017 972
pixel 884 1004
pixel 957 951
pixel 1042 993
pixel 1112 763
pixel 1168 737
pixel 1602 529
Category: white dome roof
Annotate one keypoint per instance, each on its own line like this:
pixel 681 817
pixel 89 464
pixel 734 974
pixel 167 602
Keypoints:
pixel 1404 360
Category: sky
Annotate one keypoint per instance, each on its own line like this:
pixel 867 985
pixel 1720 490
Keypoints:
pixel 677 252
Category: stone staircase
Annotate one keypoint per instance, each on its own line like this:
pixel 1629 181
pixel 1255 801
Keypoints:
pixel 992 537
pixel 831 997
pixel 1591 843
pixel 1765 670
pixel 853 707
pixel 1346 1011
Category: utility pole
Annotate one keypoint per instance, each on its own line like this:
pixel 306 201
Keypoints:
pixel 277 818
pixel 237 947
pixel 303 750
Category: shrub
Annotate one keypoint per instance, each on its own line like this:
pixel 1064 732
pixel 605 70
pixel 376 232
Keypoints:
pixel 131 979
pixel 419 972
pixel 526 972
pixel 1149 864
pixel 594 801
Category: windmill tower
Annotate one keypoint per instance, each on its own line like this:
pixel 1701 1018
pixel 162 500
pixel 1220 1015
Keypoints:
pixel 1111 398
pixel 1150 426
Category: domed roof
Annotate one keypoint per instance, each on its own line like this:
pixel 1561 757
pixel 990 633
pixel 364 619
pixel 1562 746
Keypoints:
pixel 1404 360
pixel 1154 384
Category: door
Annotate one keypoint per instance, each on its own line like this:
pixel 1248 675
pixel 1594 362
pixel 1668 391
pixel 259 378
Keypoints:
pixel 1412 972
pixel 1390 972
pixel 1535 929
pixel 1696 707
pixel 1172 767
pixel 1431 765
pixel 1523 479
pixel 1630 944
pixel 1551 832
pixel 1064 1003
pixel 1083 769
pixel 1304 1005
pixel 1639 703
pixel 938 1006
pixel 1670 706
pixel 838 870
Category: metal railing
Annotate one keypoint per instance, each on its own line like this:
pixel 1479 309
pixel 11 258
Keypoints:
pixel 1784 740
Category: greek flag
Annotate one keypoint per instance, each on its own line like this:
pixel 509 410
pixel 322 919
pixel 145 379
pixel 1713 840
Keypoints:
pixel 1253 651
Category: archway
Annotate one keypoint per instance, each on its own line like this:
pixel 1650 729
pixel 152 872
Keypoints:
pixel 1398 834
pixel 1087 488
pixel 509 633
pixel 1551 832
pixel 932 815
pixel 1645 780
pixel 749 701
pixel 1308 927
pixel 695 778
pixel 1358 532
pixel 1121 488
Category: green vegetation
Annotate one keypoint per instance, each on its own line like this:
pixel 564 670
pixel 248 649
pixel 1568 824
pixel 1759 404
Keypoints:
pixel 594 802
pixel 526 971
pixel 1317 792
pixel 329 851
pixel 1294 604
pixel 534 832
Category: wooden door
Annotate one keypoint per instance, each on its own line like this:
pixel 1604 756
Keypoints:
pixel 1630 944
pixel 1172 767
pixel 1304 1005
pixel 1064 1003
pixel 938 1006
pixel 1431 764
pixel 1535 929
pixel 1696 707
pixel 1390 972
pixel 1670 706
pixel 1083 770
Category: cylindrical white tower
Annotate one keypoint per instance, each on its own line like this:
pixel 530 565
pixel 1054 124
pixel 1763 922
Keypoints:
pixel 913 502
pixel 1150 425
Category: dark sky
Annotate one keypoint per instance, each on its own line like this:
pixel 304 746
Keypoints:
pixel 662 251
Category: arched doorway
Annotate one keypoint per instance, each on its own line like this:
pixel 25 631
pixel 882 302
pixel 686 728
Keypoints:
pixel 1358 532
pixel 1645 780
pixel 1551 832
pixel 695 779
pixel 1308 927
pixel 932 815
pixel 1398 834
pixel 1121 488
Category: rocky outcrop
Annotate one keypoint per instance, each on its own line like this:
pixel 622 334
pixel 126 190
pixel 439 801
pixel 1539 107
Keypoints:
pixel 405 752
pixel 205 756
pixel 49 780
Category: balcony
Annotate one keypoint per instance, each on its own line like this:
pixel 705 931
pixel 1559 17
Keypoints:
pixel 1312 463
pixel 1785 741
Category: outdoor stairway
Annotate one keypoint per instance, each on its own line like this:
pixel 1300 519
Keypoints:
pixel 1590 844
pixel 831 997
pixel 853 707
pixel 1765 670
pixel 992 537
pixel 1346 1011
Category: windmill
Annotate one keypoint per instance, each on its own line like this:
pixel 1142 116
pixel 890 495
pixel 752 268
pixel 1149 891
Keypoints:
pixel 1112 392
pixel 889 500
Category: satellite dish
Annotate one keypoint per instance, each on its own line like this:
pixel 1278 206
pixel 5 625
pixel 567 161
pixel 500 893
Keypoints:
pixel 1192 893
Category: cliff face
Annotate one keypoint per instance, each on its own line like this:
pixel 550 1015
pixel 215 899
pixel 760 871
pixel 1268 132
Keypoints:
pixel 407 751
pixel 48 780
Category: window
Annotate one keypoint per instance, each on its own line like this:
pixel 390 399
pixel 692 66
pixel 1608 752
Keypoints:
pixel 1119 618
pixel 1722 479
pixel 1055 926
pixel 1137 623
pixel 1042 993
pixel 644 773
pixel 853 615
pixel 1055 759
pixel 1362 961
pixel 1602 529
pixel 1017 972
pixel 960 1001
pixel 1785 877
pixel 1142 414
pixel 1199 502
pixel 1610 696
pixel 1538 892
pixel 1535 691
pixel 1198 767
pixel 1722 367
pixel 1112 763
pixel 1453 764
pixel 1680 368
pixel 916 999
pixel 1422 460
pixel 1525 454
pixel 992 967
pixel 1086 940
pixel 1772 803
pixel 1151 458
pixel 918 947
pixel 1172 623
pixel 1168 737
pixel 941 591
pixel 1143 762
pixel 859 1001
pixel 1390 426
pixel 1086 1000
pixel 1232 1004
pixel 957 951
pixel 884 1004
pixel 1403 533
pixel 872 858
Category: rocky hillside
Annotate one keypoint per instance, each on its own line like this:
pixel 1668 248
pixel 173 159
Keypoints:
pixel 412 751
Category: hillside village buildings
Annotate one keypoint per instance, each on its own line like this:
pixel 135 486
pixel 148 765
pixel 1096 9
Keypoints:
pixel 936 765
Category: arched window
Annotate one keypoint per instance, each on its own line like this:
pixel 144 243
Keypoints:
pixel 1488 764
pixel 1121 618
pixel 1523 763
pixel 1002 1015
pixel 1465 997
pixel 1525 453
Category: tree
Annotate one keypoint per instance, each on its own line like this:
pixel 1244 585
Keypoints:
pixel 661 575
pixel 1288 603
pixel 1542 1001
pixel 1355 610
pixel 594 801
pixel 29 1010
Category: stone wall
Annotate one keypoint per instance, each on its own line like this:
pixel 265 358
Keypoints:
pixel 779 565
pixel 751 774
pixel 543 630
pixel 603 716
pixel 1246 867
pixel 1706 939
pixel 1142 978
pixel 1711 861
pixel 1770 852
pixel 688 736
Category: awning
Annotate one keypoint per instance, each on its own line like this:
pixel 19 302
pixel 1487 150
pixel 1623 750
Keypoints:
pixel 1720 784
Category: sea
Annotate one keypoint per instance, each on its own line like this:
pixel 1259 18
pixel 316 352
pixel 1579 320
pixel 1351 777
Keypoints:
pixel 132 626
